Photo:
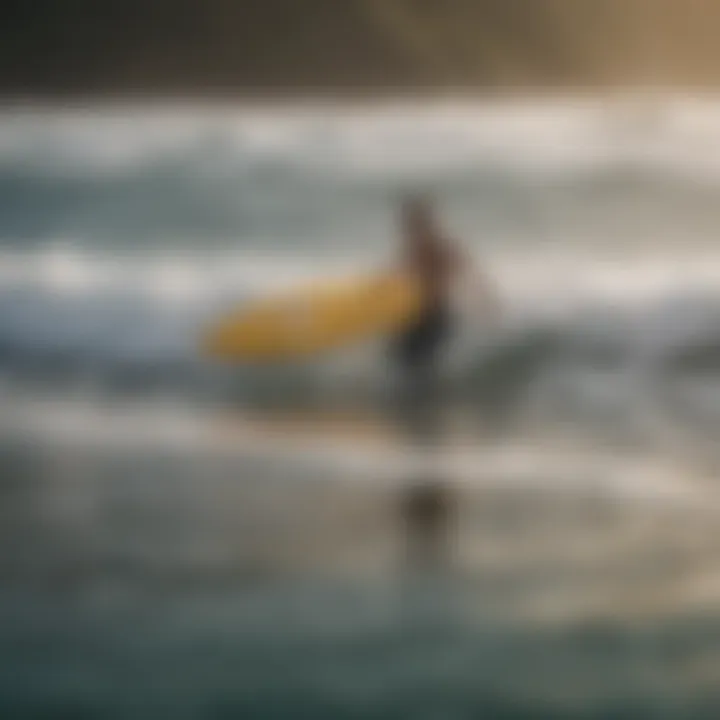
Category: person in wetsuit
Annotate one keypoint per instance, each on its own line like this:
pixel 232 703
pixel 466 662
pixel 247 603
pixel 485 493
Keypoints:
pixel 436 261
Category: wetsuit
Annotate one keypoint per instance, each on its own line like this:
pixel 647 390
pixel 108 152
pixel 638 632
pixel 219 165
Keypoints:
pixel 417 346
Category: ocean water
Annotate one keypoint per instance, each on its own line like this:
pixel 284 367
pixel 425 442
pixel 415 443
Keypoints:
pixel 184 539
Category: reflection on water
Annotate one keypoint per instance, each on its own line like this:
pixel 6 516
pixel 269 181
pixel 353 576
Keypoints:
pixel 427 510
pixel 427 500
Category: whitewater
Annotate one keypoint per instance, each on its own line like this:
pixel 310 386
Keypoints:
pixel 124 228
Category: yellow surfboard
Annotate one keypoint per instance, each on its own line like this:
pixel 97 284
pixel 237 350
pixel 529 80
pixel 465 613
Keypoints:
pixel 314 319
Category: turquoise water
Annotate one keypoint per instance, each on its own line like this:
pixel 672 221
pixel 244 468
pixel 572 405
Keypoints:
pixel 185 540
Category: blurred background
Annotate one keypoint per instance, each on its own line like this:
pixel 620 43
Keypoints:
pixel 187 540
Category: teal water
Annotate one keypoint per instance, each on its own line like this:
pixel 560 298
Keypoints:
pixel 185 540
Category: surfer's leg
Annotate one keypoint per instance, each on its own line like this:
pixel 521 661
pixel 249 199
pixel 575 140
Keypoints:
pixel 418 358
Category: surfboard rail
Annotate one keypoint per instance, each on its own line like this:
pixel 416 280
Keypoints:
pixel 313 319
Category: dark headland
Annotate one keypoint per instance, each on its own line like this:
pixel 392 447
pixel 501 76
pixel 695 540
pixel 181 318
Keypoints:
pixel 238 48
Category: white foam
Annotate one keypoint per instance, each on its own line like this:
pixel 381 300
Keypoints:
pixel 561 278
pixel 672 134
pixel 64 269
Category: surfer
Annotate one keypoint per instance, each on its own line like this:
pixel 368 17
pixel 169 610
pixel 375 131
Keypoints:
pixel 437 261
